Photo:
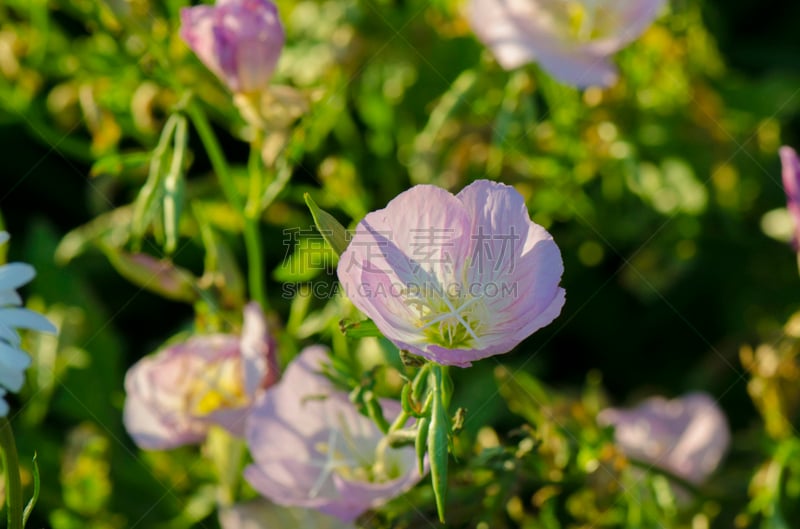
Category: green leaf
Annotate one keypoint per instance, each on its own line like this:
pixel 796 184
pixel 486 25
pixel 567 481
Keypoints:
pixel 116 164
pixel 438 439
pixel 405 399
pixel 175 187
pixel 111 227
pixel 360 329
pixel 423 426
pixel 36 487
pixel 309 259
pixel 146 204
pixel 420 383
pixel 330 228
pixel 375 411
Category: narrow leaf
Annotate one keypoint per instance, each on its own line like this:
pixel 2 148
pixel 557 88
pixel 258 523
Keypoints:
pixel 330 228
pixel 438 440
pixel 375 411
pixel 111 228
pixel 146 202
pixel 36 487
pixel 423 425
pixel 175 187
pixel 116 164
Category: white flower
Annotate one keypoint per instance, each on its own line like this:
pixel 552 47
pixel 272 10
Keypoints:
pixel 13 360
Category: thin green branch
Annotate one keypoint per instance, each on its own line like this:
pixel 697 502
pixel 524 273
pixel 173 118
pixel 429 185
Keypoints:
pixel 252 233
pixel 14 502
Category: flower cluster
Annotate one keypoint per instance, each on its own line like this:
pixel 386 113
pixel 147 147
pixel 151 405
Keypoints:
pixel 450 278
pixel 311 446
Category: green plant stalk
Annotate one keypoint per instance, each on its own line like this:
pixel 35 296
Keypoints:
pixel 13 482
pixel 252 233
pixel 255 170
pixel 439 435
pixel 255 261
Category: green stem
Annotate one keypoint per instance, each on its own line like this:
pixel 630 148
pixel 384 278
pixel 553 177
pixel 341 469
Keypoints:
pixel 255 170
pixel 13 482
pixel 255 261
pixel 439 439
pixel 399 422
pixel 252 233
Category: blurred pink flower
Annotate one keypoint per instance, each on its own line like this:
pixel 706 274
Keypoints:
pixel 573 39
pixel 686 436
pixel 261 514
pixel 791 184
pixel 454 278
pixel 239 40
pixel 312 448
pixel 175 395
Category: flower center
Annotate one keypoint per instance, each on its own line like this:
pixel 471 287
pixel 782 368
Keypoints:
pixel 342 455
pixel 219 387
pixel 582 20
pixel 453 319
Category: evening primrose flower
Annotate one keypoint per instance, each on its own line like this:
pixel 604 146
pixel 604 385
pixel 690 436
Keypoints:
pixel 13 360
pixel 791 184
pixel 239 40
pixel 454 278
pixel 261 514
pixel 312 448
pixel 686 436
pixel 573 39
pixel 176 395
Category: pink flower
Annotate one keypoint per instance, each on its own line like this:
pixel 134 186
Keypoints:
pixel 239 40
pixel 571 39
pixel 454 278
pixel 261 514
pixel 174 396
pixel 687 436
pixel 791 184
pixel 313 449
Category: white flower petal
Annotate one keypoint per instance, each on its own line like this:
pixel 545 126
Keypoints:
pixel 3 403
pixel 25 319
pixel 14 275
pixel 14 358
pixel 9 335
pixel 13 364
pixel 4 237
pixel 10 297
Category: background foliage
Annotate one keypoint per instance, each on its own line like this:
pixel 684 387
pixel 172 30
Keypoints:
pixel 656 191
